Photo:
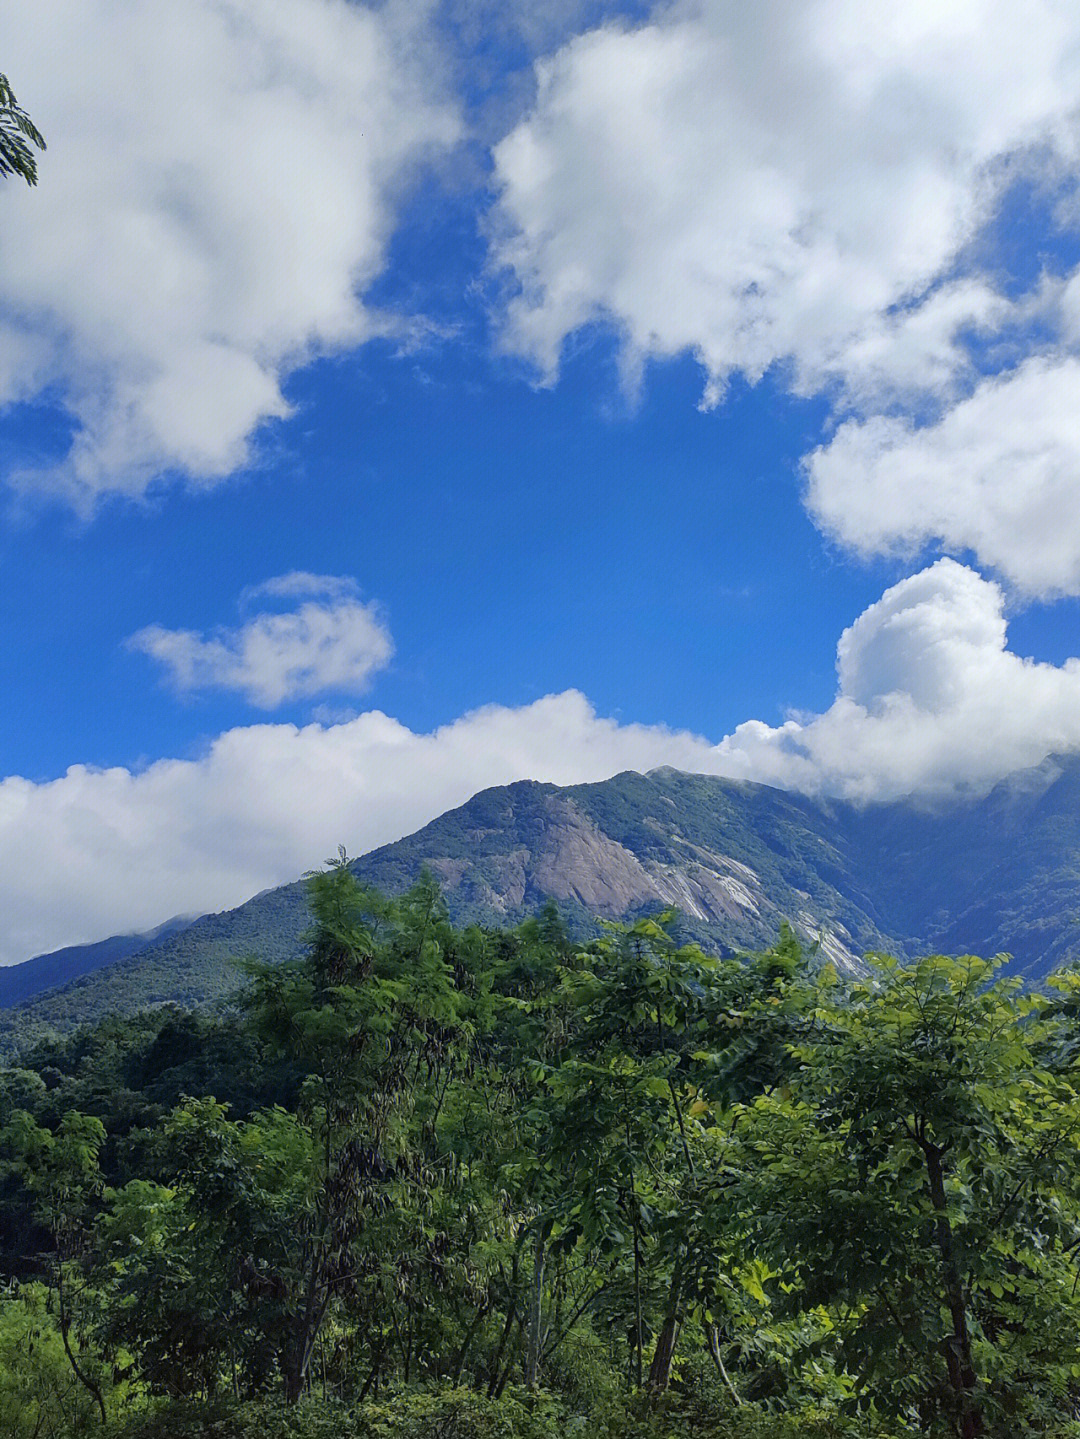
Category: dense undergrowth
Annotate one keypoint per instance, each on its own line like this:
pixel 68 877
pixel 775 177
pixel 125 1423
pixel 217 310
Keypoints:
pixel 471 1184
pixel 464 1414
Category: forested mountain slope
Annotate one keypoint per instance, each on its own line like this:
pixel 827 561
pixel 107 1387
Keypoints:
pixel 1000 872
pixel 21 981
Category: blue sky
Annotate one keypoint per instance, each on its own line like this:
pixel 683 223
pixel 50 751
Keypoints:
pixel 397 401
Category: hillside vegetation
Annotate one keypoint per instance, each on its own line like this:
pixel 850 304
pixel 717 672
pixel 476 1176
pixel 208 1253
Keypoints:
pixel 503 1184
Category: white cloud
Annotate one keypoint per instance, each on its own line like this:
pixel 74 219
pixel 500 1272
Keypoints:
pixel 814 186
pixel 998 473
pixel 929 700
pixel 763 183
pixel 918 353
pixel 218 190
pixel 299 584
pixel 330 647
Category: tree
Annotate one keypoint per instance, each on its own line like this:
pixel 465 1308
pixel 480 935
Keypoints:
pixel 664 1035
pixel 373 1019
pixel 39 1395
pixel 62 1173
pixel 916 1183
pixel 17 133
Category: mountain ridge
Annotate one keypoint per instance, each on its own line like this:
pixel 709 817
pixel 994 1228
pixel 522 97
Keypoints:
pixel 974 874
pixel 59 966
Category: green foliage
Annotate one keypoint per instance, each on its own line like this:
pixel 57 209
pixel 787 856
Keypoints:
pixel 454 1413
pixel 916 1184
pixel 17 134
pixel 39 1394
pixel 511 1184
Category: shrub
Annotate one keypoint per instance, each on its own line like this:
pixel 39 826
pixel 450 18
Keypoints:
pixel 455 1413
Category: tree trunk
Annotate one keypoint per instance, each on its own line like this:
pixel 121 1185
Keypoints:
pixel 536 1311
pixel 660 1368
pixel 373 1376
pixel 958 1361
pixel 496 1368
pixel 304 1329
pixel 293 1373
pixel 300 1347
pixel 65 1338
pixel 712 1343
pixel 509 1366
pixel 470 1334
pixel 664 1353
pixel 635 1218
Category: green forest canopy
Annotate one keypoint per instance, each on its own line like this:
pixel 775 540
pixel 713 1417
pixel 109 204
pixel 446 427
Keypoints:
pixel 434 1181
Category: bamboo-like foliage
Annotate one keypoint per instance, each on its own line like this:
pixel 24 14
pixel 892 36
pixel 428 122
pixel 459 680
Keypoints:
pixel 18 134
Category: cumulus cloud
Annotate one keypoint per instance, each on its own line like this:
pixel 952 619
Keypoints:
pixel 815 187
pixel 998 473
pixel 218 191
pixel 929 699
pixel 332 645
pixel 765 183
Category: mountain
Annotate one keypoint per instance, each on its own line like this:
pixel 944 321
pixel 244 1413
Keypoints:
pixel 735 859
pixel 19 982
pixel 980 874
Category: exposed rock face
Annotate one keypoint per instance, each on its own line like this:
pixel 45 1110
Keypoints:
pixel 576 861
pixel 571 859
pixel 710 886
pixel 449 872
pixel 833 945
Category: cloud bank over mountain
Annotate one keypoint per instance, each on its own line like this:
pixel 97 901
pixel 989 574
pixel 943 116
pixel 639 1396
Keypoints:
pixel 267 802
pixel 929 699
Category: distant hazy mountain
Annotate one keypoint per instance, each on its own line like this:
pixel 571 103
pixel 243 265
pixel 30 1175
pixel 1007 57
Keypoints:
pixel 19 982
pixel 981 875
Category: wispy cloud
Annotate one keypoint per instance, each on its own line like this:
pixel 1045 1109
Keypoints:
pixel 300 584
pixel 328 646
